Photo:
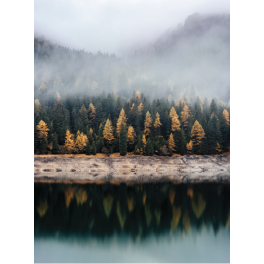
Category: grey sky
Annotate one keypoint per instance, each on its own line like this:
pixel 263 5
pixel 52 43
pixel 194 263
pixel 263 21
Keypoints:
pixel 111 26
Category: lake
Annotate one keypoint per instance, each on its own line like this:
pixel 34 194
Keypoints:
pixel 154 222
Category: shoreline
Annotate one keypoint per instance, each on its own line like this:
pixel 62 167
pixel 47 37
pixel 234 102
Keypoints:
pixel 130 169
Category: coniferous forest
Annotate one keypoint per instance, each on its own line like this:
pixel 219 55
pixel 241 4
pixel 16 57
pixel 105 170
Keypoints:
pixel 110 124
pixel 144 104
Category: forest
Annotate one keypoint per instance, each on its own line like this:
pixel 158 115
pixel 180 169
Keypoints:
pixel 110 124
pixel 154 101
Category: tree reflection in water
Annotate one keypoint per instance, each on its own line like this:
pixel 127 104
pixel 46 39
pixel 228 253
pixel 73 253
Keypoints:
pixel 135 210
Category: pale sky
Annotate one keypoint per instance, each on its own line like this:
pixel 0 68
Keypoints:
pixel 112 26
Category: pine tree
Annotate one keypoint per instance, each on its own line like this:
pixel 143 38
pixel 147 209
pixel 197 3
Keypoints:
pixel 214 134
pixel 91 113
pixel 118 108
pixel 82 119
pixel 108 132
pixel 60 120
pixel 121 120
pixel 183 142
pixel 149 148
pixel 171 144
pixel 123 140
pixel 88 148
pixel 94 149
pixel 55 148
pixel 197 134
pixel 213 107
pixel 147 124
pixel 69 144
pixel 225 130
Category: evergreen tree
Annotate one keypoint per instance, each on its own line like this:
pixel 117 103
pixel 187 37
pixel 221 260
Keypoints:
pixel 213 107
pixel 88 148
pixel 123 140
pixel 91 114
pixel 55 148
pixel 183 142
pixel 60 121
pixel 214 134
pixel 149 148
pixel 225 130
pixel 94 148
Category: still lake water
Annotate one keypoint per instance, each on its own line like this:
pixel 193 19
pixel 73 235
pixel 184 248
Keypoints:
pixel 157 222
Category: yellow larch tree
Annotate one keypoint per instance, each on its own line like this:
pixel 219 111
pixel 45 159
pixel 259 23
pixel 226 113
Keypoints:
pixel 131 135
pixel 185 114
pixel 147 124
pixel 42 129
pixel 69 143
pixel 81 141
pixel 121 120
pixel 218 148
pixel 189 146
pixel 171 143
pixel 140 108
pixel 157 123
pixel 108 132
pixel 91 113
pixel 173 112
pixel 175 122
pixel 226 117
pixel 144 141
pixel 91 131
pixel 197 134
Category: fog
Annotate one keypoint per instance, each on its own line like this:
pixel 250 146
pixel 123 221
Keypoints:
pixel 193 58
pixel 112 26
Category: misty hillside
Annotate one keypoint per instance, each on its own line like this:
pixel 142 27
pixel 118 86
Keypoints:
pixel 193 58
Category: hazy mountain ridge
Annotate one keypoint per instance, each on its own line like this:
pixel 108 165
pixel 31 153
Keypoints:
pixel 195 55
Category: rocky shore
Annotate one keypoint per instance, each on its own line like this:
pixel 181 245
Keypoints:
pixel 89 169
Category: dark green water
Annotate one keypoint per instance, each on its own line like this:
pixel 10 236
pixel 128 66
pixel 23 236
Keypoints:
pixel 159 222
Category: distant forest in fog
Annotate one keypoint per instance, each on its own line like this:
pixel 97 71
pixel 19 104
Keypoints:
pixel 154 100
pixel 193 58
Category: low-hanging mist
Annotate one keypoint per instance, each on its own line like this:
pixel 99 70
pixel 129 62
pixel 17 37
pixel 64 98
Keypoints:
pixel 193 58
